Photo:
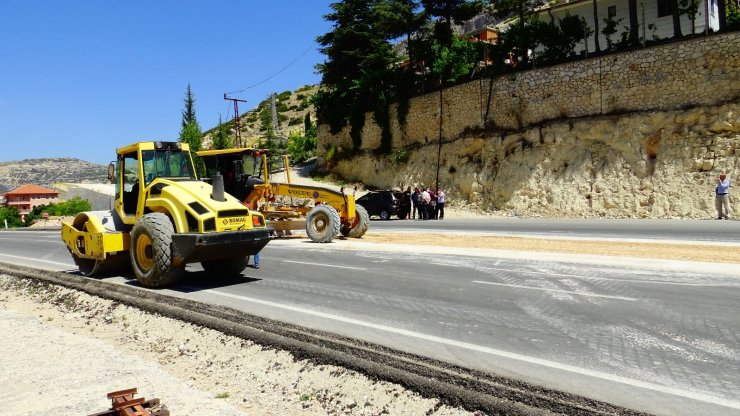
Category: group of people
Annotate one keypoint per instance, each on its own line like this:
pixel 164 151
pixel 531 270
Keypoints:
pixel 424 204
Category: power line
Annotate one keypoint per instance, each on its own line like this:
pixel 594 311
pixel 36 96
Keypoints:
pixel 275 74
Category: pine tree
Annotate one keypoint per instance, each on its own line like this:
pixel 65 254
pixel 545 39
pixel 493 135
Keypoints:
pixel 190 132
pixel 449 11
pixel 220 138
pixel 188 114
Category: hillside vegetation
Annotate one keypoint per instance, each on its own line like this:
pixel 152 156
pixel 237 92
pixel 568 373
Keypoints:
pixel 291 108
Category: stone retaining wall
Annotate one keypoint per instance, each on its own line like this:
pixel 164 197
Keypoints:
pixel 699 72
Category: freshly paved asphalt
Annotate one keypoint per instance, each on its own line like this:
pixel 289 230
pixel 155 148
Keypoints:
pixel 661 341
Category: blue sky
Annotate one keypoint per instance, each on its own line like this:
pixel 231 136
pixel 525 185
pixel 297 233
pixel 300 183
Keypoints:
pixel 80 78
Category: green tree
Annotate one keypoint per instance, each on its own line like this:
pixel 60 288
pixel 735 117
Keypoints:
pixel 397 18
pixel 454 62
pixel 73 206
pixel 11 215
pixel 691 9
pixel 192 135
pixel 449 11
pixel 220 138
pixel 302 146
pixel 188 113
pixel 190 131
pixel 522 9
pixel 610 28
pixel 359 69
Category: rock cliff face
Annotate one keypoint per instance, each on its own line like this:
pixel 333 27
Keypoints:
pixel 47 172
pixel 656 165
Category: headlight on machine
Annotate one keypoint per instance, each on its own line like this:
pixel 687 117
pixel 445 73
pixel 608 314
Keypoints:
pixel 258 221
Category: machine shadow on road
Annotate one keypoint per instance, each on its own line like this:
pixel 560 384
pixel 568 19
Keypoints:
pixel 195 281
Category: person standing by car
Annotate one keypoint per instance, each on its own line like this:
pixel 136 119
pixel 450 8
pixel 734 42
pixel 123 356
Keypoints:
pixel 432 204
pixel 722 199
pixel 415 200
pixel 425 200
pixel 440 214
pixel 406 204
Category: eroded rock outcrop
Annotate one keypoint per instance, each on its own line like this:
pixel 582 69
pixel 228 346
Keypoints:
pixel 657 165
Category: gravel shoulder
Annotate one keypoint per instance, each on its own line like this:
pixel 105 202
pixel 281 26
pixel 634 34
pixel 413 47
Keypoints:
pixel 69 349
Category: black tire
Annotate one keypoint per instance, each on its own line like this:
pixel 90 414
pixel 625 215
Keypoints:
pixel 87 267
pixel 225 268
pixel 151 251
pixel 92 267
pixel 385 215
pixel 362 219
pixel 402 214
pixel 322 224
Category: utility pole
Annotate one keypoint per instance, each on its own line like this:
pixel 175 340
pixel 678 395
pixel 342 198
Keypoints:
pixel 236 118
pixel 275 124
pixel 439 147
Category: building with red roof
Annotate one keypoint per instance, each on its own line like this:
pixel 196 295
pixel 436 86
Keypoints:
pixel 27 197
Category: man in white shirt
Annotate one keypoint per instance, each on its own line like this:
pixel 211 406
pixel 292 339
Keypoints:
pixel 426 199
pixel 440 207
pixel 722 200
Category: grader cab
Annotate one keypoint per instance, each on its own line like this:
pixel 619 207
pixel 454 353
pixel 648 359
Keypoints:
pixel 164 218
pixel 322 212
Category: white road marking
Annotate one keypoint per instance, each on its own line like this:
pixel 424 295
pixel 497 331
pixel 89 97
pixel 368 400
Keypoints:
pixel 37 260
pixel 501 353
pixel 324 265
pixel 555 290
pixel 655 282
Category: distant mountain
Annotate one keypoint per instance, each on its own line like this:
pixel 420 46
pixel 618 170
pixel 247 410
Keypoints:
pixel 47 172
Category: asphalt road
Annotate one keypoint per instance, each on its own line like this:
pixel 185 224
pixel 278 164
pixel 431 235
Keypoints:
pixel 657 340
pixel 644 229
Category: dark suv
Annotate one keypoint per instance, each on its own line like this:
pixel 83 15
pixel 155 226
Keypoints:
pixel 381 203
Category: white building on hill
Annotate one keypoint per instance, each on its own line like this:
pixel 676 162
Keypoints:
pixel 654 18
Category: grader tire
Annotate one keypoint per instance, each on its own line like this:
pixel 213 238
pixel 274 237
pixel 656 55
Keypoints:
pixel 225 268
pixel 322 224
pixel 362 219
pixel 151 251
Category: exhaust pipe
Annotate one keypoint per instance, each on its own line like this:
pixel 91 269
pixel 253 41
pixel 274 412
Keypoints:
pixel 218 188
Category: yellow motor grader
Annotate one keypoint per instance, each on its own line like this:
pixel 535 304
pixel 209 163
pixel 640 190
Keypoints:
pixel 164 218
pixel 324 213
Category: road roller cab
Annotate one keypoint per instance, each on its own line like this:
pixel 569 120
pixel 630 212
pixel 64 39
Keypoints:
pixel 164 218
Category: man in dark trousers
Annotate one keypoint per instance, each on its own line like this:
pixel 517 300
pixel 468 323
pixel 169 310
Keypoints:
pixel 406 204
pixel 415 200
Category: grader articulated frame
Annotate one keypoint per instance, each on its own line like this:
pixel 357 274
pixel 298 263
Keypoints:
pixel 324 213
